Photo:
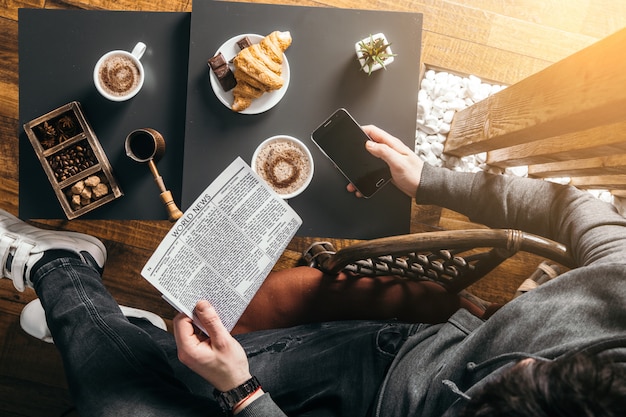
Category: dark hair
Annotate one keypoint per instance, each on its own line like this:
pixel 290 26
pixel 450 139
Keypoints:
pixel 578 385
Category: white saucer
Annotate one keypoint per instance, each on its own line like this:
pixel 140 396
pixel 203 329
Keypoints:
pixel 259 105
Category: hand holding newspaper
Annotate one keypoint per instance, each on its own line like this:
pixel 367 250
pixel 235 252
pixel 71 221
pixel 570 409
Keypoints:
pixel 224 246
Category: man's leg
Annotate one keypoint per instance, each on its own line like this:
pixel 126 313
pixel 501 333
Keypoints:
pixel 325 369
pixel 113 367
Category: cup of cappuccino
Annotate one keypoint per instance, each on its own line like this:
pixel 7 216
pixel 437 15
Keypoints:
pixel 118 75
pixel 285 163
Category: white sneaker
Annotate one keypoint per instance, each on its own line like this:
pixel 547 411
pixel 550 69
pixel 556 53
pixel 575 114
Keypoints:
pixel 33 319
pixel 21 245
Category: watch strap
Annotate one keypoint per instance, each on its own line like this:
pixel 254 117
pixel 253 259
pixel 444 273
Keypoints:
pixel 229 399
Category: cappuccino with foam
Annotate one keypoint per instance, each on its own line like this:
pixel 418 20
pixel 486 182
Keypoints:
pixel 119 75
pixel 285 164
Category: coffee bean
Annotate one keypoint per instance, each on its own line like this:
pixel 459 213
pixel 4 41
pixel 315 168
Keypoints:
pixel 71 161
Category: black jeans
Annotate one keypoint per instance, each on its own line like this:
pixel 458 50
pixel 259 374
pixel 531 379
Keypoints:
pixel 116 367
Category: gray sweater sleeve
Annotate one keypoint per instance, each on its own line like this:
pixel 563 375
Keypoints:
pixel 263 406
pixel 590 228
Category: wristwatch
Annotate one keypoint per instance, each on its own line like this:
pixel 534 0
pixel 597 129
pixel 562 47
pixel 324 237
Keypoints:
pixel 227 400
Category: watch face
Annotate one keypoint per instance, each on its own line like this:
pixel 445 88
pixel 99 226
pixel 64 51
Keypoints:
pixel 227 400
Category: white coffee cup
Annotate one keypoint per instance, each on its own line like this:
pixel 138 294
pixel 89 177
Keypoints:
pixel 297 160
pixel 119 75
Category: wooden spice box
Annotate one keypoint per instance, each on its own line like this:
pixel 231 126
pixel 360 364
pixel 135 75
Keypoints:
pixel 73 160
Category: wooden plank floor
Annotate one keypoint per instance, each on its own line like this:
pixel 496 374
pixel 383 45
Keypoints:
pixel 498 40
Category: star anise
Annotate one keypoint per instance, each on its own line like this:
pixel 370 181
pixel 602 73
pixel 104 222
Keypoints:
pixel 48 143
pixel 47 138
pixel 48 130
pixel 67 128
pixel 66 123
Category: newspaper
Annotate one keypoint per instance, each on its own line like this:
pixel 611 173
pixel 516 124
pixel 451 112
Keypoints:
pixel 224 246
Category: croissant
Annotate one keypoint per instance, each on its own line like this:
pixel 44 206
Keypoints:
pixel 258 69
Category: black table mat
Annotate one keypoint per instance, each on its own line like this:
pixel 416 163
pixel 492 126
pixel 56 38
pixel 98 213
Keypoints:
pixel 325 75
pixel 58 49
pixel 57 52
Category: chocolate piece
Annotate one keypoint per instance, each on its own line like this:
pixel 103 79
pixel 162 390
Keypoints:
pixel 228 82
pixel 217 61
pixel 244 42
pixel 222 71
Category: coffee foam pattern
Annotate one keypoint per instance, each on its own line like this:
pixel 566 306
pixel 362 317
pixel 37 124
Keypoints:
pixel 283 165
pixel 119 75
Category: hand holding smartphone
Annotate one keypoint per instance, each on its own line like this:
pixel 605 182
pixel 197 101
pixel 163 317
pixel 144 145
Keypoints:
pixel 342 140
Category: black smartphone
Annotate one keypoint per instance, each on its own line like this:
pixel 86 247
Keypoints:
pixel 342 140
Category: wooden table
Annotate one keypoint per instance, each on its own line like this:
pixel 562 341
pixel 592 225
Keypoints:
pixel 498 41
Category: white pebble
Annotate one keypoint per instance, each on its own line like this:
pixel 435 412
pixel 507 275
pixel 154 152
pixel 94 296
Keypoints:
pixel 432 159
pixel 439 103
pixel 441 77
pixel 420 137
pixel 493 170
pixel 481 157
pixel 424 107
pixel 457 104
pixel 426 128
pixel 521 171
pixel 422 95
pixel 559 180
pixel 437 148
pixel 448 115
pixel 437 112
pixel 474 80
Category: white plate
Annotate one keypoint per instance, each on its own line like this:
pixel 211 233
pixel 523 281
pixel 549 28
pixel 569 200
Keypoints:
pixel 268 100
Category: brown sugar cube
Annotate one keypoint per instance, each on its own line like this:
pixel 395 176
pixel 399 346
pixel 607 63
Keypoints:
pixel 84 201
pixel 100 190
pixel 75 201
pixel 78 187
pixel 92 181
pixel 86 193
